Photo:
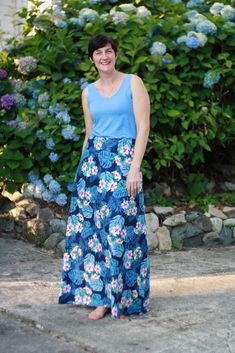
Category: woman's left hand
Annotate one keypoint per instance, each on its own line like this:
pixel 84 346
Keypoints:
pixel 133 181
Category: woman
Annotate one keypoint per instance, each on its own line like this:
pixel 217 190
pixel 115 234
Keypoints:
pixel 106 263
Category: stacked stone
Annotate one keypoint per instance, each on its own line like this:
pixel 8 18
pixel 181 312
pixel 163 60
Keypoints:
pixel 166 228
pixel 27 219
pixel 192 229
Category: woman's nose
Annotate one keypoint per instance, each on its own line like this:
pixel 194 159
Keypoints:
pixel 104 55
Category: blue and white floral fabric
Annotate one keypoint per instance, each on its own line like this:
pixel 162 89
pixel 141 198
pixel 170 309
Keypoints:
pixel 106 260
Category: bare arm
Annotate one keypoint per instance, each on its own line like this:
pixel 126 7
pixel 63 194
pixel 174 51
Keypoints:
pixel 141 107
pixel 87 117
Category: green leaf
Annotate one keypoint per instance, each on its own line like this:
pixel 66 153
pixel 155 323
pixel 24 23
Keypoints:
pixel 12 164
pixel 14 144
pixel 12 155
pixel 174 113
pixel 44 69
pixel 27 163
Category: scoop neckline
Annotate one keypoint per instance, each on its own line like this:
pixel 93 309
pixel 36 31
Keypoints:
pixel 119 87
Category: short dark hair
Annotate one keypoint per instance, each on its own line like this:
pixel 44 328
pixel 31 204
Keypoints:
pixel 101 41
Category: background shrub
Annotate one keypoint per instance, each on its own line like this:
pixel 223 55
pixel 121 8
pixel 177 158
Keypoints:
pixel 183 50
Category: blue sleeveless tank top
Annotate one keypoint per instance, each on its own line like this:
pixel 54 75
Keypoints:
pixel 112 117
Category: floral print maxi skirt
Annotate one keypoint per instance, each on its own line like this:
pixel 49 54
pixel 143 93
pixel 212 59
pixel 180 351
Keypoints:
pixel 106 260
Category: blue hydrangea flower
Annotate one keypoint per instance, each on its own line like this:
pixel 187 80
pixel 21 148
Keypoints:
pixel 206 27
pixel 53 157
pixel 94 2
pixel 166 60
pixel 54 187
pixel 31 104
pixel 12 123
pixel 39 188
pixel 158 47
pixel 42 113
pixel 48 196
pixel 88 15
pixel 41 82
pixel 40 185
pixel 119 17
pixel 216 8
pixel 67 80
pixel 68 132
pixel 61 24
pixel 61 200
pixel 230 24
pixel 20 100
pixel 211 78
pixel 36 93
pixel 64 117
pixel 57 9
pixel 190 14
pixel 40 134
pixel 192 42
pixel 50 144
pixel 76 138
pixel 200 37
pixel 70 186
pixel 83 83
pixel 228 12
pixel 43 99
pixel 193 3
pixel 32 177
pixel 47 178
pixel 54 109
pixel 75 21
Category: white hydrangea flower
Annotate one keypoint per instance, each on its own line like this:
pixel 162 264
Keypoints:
pixel 158 47
pixel 190 14
pixel 181 39
pixel 127 7
pixel 228 12
pixel 142 11
pixel 198 18
pixel 202 38
pixel 206 27
pixel 216 8
pixel 120 17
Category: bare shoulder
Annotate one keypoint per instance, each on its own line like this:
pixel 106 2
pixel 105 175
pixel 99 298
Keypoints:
pixel 85 93
pixel 135 79
pixel 137 84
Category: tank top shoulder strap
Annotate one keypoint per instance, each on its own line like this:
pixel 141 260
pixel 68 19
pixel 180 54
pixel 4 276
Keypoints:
pixel 127 83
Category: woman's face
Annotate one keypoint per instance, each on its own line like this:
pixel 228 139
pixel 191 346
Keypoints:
pixel 104 58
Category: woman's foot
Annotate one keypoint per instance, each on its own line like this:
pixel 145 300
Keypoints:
pixel 98 313
pixel 122 317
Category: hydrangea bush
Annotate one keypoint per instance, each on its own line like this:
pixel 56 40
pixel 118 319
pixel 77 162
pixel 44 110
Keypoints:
pixel 183 50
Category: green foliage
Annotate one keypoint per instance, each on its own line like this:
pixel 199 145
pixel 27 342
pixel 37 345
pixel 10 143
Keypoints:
pixel 216 199
pixel 188 120
pixel 39 240
pixel 177 244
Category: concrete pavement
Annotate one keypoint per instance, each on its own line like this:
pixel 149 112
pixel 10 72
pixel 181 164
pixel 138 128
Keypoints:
pixel 192 306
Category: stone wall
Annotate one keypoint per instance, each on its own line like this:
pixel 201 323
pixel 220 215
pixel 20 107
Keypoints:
pixel 167 228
